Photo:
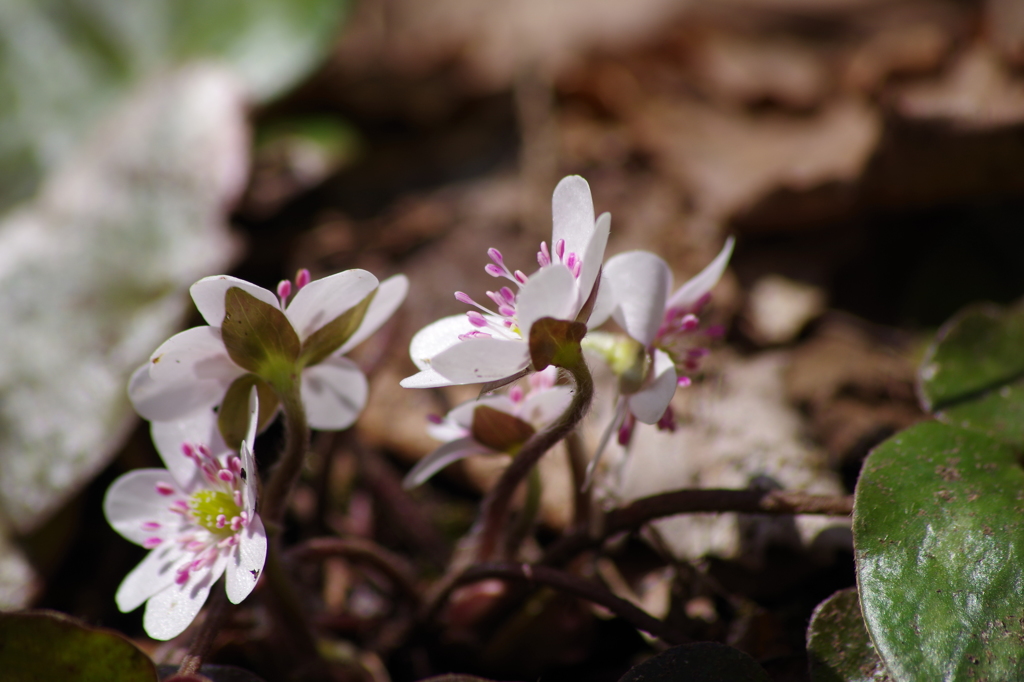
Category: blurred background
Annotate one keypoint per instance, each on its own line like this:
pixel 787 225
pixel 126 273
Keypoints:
pixel 868 155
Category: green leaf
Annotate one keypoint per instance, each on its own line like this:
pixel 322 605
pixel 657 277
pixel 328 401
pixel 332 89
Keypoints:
pixel 939 536
pixel 556 342
pixel 979 350
pixel 701 662
pixel 259 337
pixel 838 644
pixel 45 646
pixel 332 335
pixel 233 416
pixel 499 430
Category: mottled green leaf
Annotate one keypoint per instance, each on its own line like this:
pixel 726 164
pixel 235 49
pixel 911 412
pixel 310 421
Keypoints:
pixel 939 539
pixel 838 645
pixel 45 646
pixel 700 662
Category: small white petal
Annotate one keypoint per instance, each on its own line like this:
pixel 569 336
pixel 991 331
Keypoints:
pixel 248 457
pixel 166 400
pixel 389 296
pixel 132 499
pixel 649 404
pixel 446 431
pixel 449 453
pixel 196 354
pixel 543 407
pixel 572 213
pixel 436 337
pixel 173 609
pixel 428 378
pixel 154 573
pixel 550 292
pixel 208 295
pixel 704 281
pixel 334 393
pixel 593 257
pixel 475 361
pixel 254 414
pixel 199 427
pixel 323 300
pixel 246 561
pixel 641 281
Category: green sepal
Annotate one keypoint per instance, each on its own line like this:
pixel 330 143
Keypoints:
pixel 500 431
pixel 258 337
pixel 556 342
pixel 588 306
pixel 233 416
pixel 332 335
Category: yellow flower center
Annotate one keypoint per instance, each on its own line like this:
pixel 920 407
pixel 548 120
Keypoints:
pixel 209 505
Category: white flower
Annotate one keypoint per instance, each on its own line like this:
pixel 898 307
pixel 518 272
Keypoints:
pixel 493 344
pixel 183 385
pixel 465 434
pixel 199 518
pixel 645 307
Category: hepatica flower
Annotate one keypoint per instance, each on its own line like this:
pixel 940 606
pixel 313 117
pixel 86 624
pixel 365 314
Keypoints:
pixel 284 343
pixel 661 325
pixel 497 424
pixel 198 519
pixel 491 343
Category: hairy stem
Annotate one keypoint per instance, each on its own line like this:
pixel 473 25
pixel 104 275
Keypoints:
pixel 496 504
pixel 639 512
pixel 286 472
pixel 581 492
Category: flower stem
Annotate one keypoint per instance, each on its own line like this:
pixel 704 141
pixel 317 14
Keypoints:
pixel 496 504
pixel 527 515
pixel 286 473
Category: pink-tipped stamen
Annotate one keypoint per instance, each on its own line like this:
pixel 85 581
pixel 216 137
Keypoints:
pixel 221 521
pixel 226 476
pixel 496 256
pixel 435 419
pixel 516 394
pixel 182 576
pixel 152 543
pixel 302 278
pixel 164 488
pixel 475 335
pixel 476 319
pixel 284 290
pixel 684 381
pixel 560 249
pixel 235 464
pixel 236 497
pixel 150 525
pixel 520 277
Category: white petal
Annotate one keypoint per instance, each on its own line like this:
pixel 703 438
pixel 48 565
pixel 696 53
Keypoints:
pixel 604 304
pixel 334 393
pixel 428 378
pixel 167 400
pixel 572 213
pixel 436 337
pixel 132 499
pixel 641 281
pixel 196 354
pixel 246 561
pixel 704 281
pixel 446 431
pixel 593 257
pixel 248 457
pixel 542 408
pixel 649 404
pixel 173 609
pixel 449 453
pixel 208 295
pixel 322 300
pixel 254 414
pixel 550 292
pixel 389 296
pixel 198 428
pixel 154 573
pixel 475 361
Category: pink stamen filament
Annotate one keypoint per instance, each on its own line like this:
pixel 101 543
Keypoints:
pixel 284 290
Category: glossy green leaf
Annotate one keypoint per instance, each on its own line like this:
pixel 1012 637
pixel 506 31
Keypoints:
pixel 332 335
pixel 259 337
pixel 700 662
pixel 45 646
pixel 838 645
pixel 977 351
pixel 939 539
